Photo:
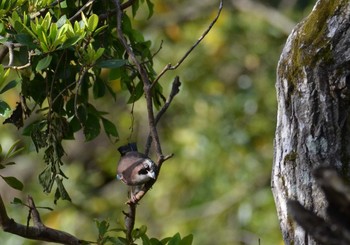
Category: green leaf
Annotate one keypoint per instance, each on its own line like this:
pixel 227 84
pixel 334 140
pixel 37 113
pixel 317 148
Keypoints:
pixel 99 88
pixel 115 63
pixel 74 124
pixel 25 39
pixel 43 63
pixel 175 240
pixel 165 240
pixel 70 42
pixel 46 180
pixel 17 201
pixel 12 151
pixel 82 114
pixel 8 86
pixel 187 240
pixel 62 190
pixel 61 21
pixel 5 109
pixel 135 6
pixel 110 128
pixel 145 240
pixel 102 227
pixel 137 93
pixel 92 22
pixel 91 127
pixel 33 127
pixel 150 8
pixel 13 182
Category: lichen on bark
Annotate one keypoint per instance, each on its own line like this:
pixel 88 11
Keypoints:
pixel 313 92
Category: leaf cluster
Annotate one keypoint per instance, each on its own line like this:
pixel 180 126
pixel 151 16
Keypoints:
pixel 137 233
pixel 58 51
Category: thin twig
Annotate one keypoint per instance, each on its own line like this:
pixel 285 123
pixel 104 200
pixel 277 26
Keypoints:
pixel 174 91
pixel 80 81
pixel 76 15
pixel 173 67
pixel 30 54
pixel 132 115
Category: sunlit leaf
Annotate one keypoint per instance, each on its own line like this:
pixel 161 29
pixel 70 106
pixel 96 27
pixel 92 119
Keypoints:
pixel 92 22
pixel 13 151
pixel 8 86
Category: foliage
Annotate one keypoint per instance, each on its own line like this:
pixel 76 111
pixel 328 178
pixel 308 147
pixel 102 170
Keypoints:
pixel 138 233
pixel 57 52
pixel 63 58
pixel 4 162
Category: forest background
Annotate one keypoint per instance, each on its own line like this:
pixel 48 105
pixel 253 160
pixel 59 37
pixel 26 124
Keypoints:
pixel 220 128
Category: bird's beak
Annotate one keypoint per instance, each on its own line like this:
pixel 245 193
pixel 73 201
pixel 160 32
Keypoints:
pixel 119 177
pixel 152 175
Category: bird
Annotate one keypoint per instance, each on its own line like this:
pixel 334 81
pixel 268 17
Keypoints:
pixel 135 168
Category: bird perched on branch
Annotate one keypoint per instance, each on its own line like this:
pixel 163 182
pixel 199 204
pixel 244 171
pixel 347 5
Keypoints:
pixel 135 168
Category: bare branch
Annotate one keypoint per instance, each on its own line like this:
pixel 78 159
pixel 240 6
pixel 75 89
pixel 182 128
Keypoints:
pixel 130 221
pixel 77 14
pixel 30 54
pixel 37 232
pixel 174 91
pixel 171 67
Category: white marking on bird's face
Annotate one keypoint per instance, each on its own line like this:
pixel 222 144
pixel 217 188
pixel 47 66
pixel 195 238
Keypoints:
pixel 149 163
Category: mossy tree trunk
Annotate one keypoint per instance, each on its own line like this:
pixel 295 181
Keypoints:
pixel 313 92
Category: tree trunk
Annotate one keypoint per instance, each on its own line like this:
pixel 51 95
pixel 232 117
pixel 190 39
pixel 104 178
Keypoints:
pixel 313 92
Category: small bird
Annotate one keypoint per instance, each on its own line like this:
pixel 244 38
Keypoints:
pixel 135 168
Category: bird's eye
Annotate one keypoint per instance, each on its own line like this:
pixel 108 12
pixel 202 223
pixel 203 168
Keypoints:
pixel 143 171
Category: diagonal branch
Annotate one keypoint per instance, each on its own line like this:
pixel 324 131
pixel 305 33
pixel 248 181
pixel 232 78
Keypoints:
pixel 174 91
pixel 173 67
pixel 37 232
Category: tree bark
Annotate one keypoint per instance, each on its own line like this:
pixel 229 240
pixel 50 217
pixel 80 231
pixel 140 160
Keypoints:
pixel 313 93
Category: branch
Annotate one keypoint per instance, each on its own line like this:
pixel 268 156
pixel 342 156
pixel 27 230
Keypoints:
pixel 152 120
pixel 171 67
pixel 174 91
pixel 77 14
pixel 30 54
pixel 37 232
pixel 147 85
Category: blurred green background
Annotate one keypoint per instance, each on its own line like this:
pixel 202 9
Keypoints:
pixel 220 128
